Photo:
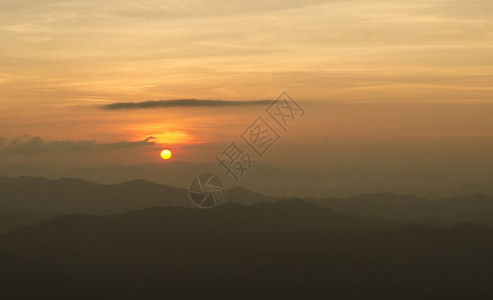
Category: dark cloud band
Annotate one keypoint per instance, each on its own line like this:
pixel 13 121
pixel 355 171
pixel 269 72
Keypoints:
pixel 182 103
pixel 35 145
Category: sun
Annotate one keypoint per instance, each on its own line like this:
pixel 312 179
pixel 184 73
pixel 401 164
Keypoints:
pixel 166 154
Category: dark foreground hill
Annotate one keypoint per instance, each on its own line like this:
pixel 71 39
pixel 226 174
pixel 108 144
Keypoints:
pixel 286 250
pixel 10 220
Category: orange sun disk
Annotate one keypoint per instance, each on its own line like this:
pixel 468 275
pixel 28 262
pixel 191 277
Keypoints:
pixel 166 154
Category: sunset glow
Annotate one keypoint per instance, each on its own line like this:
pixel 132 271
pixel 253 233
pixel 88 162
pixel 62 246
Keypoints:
pixel 371 74
pixel 277 149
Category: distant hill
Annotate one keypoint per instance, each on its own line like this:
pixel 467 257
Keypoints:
pixel 477 208
pixel 68 195
pixel 384 205
pixel 285 250
pixel 263 178
pixel 275 181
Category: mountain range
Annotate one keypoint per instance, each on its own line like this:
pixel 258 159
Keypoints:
pixel 71 195
pixel 273 181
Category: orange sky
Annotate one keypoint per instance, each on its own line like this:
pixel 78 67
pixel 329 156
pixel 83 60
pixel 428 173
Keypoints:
pixel 362 68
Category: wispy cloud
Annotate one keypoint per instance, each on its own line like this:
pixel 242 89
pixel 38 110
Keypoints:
pixel 35 145
pixel 182 103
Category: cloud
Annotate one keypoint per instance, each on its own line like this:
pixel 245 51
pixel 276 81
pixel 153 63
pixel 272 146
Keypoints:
pixel 35 145
pixel 182 103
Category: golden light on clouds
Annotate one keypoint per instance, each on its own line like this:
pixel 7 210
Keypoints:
pixel 164 133
pixel 176 137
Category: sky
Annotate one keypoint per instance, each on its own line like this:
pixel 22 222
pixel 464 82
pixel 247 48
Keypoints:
pixel 386 85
